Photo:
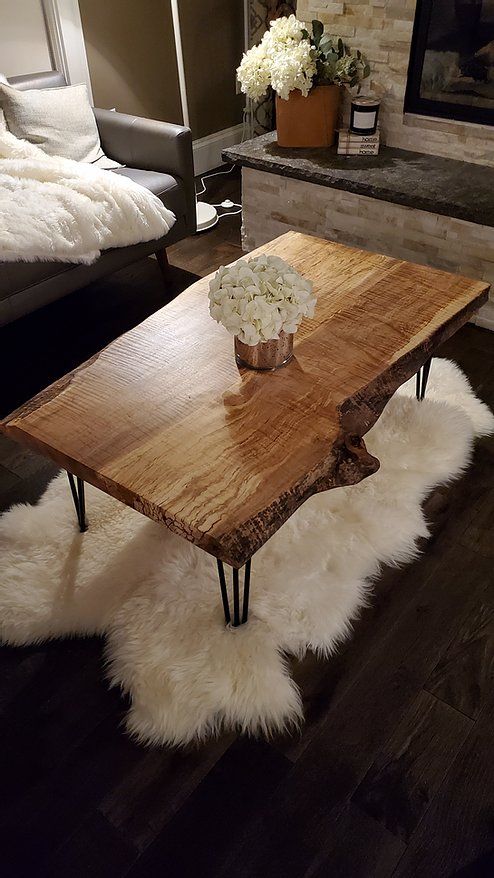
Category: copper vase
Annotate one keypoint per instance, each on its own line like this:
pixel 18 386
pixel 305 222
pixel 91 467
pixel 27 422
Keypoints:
pixel 267 355
pixel 311 121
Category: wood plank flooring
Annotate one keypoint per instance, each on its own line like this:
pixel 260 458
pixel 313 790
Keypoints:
pixel 393 772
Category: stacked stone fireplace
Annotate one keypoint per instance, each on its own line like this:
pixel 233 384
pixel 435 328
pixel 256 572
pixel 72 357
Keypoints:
pixel 383 30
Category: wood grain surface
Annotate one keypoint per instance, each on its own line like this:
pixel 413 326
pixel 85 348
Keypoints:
pixel 163 419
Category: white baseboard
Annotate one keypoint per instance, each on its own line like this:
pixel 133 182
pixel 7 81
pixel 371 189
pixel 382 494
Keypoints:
pixel 485 317
pixel 207 150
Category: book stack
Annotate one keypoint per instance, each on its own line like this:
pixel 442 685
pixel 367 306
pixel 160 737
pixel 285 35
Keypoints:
pixel 357 144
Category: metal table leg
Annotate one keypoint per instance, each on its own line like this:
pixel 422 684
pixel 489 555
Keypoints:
pixel 239 618
pixel 421 380
pixel 77 489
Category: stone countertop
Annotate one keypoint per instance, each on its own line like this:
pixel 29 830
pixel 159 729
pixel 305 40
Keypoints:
pixel 446 186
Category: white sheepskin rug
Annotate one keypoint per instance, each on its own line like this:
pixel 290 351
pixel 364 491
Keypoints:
pixel 156 597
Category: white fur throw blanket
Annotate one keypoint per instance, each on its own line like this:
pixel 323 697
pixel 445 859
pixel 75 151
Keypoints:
pixel 53 208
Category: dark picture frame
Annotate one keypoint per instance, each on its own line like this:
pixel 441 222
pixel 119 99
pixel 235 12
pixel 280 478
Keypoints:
pixel 414 102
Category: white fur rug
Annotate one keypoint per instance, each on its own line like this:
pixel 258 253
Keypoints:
pixel 53 208
pixel 157 598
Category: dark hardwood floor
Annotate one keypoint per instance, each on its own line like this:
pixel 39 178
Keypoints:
pixel 393 771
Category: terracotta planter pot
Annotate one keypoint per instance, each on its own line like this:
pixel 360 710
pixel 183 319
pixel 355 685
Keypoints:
pixel 309 121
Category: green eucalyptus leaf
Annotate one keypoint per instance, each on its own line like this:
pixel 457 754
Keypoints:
pixel 317 30
pixel 320 69
pixel 305 34
pixel 337 63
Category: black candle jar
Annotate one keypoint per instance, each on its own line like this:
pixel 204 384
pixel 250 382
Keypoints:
pixel 364 114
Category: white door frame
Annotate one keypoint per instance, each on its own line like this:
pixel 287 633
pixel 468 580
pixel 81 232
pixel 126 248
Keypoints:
pixel 66 40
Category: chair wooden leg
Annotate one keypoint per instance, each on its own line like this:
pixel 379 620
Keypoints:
pixel 163 264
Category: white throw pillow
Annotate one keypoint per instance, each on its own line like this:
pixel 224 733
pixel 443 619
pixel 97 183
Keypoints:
pixel 3 124
pixel 58 120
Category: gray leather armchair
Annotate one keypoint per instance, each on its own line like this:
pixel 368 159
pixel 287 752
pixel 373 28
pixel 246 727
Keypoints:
pixel 158 156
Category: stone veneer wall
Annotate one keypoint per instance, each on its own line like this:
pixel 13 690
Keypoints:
pixel 383 30
pixel 272 205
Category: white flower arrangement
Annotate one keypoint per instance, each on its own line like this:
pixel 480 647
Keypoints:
pixel 282 59
pixel 289 58
pixel 292 67
pixel 255 299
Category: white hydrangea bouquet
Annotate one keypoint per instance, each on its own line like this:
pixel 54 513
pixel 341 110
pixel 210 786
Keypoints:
pixel 289 58
pixel 260 301
pixel 307 72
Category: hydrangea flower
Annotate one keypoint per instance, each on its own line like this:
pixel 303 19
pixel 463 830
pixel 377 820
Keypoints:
pixel 288 58
pixel 283 59
pixel 254 72
pixel 284 31
pixel 293 67
pixel 257 298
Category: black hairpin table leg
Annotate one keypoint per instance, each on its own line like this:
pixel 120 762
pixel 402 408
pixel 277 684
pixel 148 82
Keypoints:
pixel 77 489
pixel 239 617
pixel 421 380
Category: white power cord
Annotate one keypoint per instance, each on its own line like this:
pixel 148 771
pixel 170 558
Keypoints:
pixel 227 203
pixel 214 174
pixel 205 216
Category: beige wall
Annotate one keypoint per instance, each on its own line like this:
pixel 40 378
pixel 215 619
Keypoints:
pixel 132 61
pixel 212 38
pixel 383 30
pixel 131 56
pixel 23 39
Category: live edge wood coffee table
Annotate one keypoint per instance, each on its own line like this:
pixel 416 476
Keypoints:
pixel 165 421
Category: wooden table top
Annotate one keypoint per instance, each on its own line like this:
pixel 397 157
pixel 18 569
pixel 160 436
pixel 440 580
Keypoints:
pixel 165 421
